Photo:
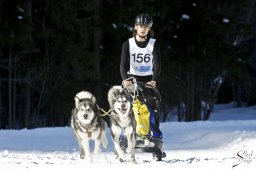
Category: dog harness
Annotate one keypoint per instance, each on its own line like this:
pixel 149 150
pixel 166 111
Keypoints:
pixel 141 59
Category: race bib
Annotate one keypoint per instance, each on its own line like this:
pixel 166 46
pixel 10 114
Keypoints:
pixel 141 59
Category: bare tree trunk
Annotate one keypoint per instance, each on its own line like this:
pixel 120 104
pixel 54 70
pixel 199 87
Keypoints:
pixel 251 11
pixel 14 93
pixel 27 88
pixel 193 98
pixel 10 88
pixel 27 99
pixel 97 43
pixel 1 1
pixel 1 105
pixel 188 99
pixel 192 95
pixel 181 108
pixel 97 36
pixel 28 12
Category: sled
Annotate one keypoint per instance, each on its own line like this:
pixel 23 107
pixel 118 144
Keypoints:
pixel 151 142
pixel 153 146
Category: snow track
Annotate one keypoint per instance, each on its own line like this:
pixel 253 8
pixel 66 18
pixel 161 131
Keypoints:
pixel 184 160
pixel 209 145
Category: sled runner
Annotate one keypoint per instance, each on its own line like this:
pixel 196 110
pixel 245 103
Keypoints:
pixel 149 137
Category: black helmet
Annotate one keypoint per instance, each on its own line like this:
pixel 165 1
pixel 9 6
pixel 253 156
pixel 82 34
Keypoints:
pixel 144 19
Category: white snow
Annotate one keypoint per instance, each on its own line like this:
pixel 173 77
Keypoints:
pixel 225 20
pixel 114 25
pixel 185 16
pixel 20 17
pixel 227 139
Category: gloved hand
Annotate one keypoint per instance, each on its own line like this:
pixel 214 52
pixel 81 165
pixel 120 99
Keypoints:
pixel 127 83
pixel 151 84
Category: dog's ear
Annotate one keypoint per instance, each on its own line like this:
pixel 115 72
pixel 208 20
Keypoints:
pixel 77 100
pixel 110 97
pixel 93 99
pixel 112 94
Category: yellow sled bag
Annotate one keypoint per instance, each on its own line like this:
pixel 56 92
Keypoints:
pixel 142 117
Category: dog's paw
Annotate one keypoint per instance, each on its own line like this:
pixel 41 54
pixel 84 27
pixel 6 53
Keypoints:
pixel 88 159
pixel 132 160
pixel 121 160
pixel 96 152
pixel 121 157
pixel 82 156
pixel 128 150
pixel 116 156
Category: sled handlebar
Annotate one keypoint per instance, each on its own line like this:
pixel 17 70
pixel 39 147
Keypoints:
pixel 140 84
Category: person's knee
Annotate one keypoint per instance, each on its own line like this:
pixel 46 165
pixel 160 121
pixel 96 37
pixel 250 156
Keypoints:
pixel 153 98
pixel 153 102
pixel 157 94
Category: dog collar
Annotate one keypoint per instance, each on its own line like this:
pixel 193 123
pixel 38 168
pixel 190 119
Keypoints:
pixel 89 134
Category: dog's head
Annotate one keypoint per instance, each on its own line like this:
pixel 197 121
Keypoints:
pixel 120 101
pixel 84 107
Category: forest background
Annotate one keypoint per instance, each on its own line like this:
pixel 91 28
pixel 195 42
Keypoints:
pixel 51 49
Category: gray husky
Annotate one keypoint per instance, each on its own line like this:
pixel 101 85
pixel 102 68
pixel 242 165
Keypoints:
pixel 87 124
pixel 122 119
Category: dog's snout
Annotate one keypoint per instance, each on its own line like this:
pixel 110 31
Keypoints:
pixel 85 116
pixel 122 105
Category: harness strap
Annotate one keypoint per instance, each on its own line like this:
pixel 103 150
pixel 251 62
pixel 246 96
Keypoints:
pixel 105 113
pixel 89 134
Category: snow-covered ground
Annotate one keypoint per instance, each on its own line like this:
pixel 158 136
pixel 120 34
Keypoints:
pixel 227 140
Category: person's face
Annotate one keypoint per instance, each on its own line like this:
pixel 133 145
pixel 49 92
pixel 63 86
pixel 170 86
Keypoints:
pixel 142 30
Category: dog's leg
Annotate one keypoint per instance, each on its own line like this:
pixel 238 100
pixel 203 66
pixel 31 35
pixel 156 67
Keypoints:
pixel 86 147
pixel 128 132
pixel 133 140
pixel 77 137
pixel 81 148
pixel 97 146
pixel 116 132
pixel 130 142
pixel 82 153
pixel 104 138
